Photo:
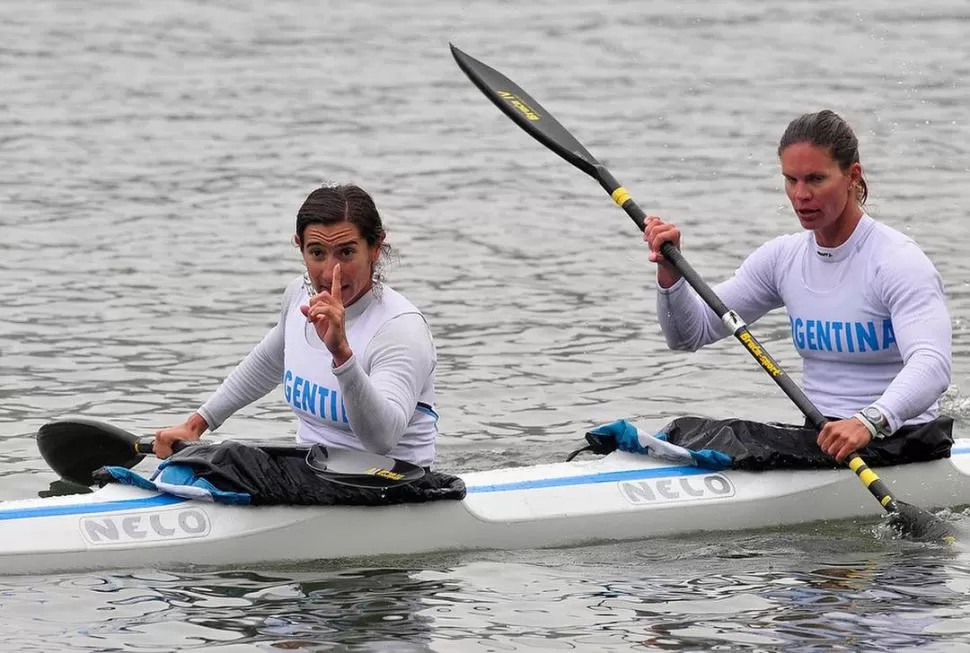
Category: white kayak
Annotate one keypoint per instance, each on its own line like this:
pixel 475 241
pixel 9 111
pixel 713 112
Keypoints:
pixel 620 496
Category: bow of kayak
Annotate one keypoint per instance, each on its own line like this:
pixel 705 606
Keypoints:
pixel 620 496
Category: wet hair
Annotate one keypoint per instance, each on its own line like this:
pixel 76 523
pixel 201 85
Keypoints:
pixel 827 129
pixel 335 203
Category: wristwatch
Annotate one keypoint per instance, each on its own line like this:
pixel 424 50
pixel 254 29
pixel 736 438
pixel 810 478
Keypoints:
pixel 875 417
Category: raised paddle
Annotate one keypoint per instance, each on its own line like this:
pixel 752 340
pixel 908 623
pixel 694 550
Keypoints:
pixel 75 448
pixel 539 123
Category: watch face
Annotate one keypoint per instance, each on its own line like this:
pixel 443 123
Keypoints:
pixel 873 415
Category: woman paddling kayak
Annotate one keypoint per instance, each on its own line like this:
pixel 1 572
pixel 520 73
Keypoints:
pixel 867 308
pixel 356 359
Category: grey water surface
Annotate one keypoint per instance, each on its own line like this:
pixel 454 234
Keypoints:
pixel 153 156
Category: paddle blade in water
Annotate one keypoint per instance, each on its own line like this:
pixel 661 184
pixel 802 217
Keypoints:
pixel 918 524
pixel 361 468
pixel 74 448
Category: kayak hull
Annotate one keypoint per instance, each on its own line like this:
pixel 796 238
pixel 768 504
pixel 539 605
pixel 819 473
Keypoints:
pixel 617 497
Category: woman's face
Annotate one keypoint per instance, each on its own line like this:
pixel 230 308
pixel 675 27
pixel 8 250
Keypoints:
pixel 324 246
pixel 819 190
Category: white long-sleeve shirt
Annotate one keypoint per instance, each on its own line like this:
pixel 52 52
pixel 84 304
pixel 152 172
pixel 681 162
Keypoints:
pixel 868 317
pixel 386 389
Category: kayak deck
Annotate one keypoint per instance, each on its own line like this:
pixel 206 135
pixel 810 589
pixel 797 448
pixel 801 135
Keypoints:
pixel 616 497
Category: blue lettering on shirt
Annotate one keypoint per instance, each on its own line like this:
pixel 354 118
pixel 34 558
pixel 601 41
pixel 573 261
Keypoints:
pixel 287 385
pixel 866 335
pixel 823 335
pixel 310 397
pixel 888 335
pixel 823 332
pixel 837 330
pixel 306 396
pixel 324 394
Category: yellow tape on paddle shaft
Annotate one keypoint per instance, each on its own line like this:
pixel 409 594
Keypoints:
pixel 620 195
pixel 867 476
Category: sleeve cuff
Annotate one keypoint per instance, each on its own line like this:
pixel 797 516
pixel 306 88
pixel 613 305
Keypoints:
pixel 672 289
pixel 349 364
pixel 211 422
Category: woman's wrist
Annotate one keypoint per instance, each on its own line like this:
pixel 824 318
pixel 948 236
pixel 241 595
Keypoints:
pixel 666 276
pixel 342 356
pixel 197 424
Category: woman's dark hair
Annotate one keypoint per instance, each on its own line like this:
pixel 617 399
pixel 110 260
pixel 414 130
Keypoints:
pixel 827 129
pixel 344 203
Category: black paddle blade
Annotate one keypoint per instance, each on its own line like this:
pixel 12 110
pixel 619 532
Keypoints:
pixel 61 487
pixel 525 111
pixel 74 448
pixel 918 524
pixel 361 468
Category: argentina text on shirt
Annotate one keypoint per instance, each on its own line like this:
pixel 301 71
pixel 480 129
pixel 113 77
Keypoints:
pixel 842 336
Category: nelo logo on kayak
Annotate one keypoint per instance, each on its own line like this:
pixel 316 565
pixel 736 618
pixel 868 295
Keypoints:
pixel 677 488
pixel 146 526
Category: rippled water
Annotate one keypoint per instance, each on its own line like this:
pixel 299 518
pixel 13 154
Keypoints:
pixel 153 157
pixel 807 590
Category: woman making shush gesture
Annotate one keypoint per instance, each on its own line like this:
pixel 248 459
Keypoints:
pixel 356 359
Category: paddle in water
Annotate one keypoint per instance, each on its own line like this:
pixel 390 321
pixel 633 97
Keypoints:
pixel 539 123
pixel 75 448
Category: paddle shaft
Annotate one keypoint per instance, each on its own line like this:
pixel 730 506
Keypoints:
pixel 146 446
